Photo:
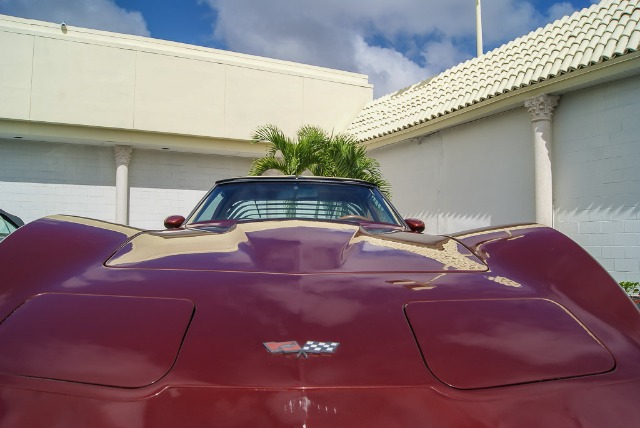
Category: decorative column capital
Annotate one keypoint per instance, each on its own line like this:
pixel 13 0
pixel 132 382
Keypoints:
pixel 122 154
pixel 542 106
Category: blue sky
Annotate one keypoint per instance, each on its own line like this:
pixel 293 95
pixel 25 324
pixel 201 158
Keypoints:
pixel 395 42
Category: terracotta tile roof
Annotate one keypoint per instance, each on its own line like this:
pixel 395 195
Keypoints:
pixel 590 36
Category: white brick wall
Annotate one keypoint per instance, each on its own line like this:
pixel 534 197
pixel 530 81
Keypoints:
pixel 166 183
pixel 39 179
pixel 597 173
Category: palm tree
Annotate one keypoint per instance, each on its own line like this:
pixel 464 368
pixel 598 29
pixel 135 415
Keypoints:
pixel 288 156
pixel 316 151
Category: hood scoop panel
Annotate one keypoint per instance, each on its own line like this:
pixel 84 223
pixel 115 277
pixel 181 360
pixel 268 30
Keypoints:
pixel 295 247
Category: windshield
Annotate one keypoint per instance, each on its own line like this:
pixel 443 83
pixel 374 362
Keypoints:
pixel 295 200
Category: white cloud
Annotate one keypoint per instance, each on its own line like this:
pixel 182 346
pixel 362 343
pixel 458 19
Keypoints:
pixel 336 34
pixel 559 10
pixel 389 69
pixel 376 38
pixel 443 54
pixel 96 14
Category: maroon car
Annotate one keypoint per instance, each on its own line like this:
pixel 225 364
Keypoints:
pixel 309 302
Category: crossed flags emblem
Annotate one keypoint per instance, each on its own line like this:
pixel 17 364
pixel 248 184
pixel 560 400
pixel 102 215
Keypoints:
pixel 310 347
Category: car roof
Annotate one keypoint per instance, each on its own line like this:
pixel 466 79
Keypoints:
pixel 14 219
pixel 295 178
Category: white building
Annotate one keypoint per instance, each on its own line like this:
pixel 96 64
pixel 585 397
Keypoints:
pixel 545 128
pixel 77 104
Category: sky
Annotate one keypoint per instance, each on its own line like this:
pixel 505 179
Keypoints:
pixel 395 42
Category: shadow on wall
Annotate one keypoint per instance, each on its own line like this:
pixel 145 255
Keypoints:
pixel 573 219
pixel 618 219
pixel 599 210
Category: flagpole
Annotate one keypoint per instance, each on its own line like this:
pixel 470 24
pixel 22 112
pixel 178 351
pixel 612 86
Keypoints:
pixel 479 27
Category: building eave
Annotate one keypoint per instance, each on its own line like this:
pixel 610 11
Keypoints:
pixel 97 136
pixel 617 68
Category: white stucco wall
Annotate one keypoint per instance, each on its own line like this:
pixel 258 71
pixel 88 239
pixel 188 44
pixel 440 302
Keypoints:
pixel 39 179
pixel 473 175
pixel 97 79
pixel 481 174
pixel 597 173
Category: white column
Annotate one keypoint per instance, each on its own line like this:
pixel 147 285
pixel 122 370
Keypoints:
pixel 541 112
pixel 123 156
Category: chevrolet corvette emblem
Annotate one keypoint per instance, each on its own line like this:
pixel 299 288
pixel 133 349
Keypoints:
pixel 310 347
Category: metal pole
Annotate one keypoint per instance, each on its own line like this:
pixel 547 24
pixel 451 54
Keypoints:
pixel 479 27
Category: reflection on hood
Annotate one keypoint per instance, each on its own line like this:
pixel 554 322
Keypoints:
pixel 295 247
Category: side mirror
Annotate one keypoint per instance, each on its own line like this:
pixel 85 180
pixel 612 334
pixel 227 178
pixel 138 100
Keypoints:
pixel 173 221
pixel 415 225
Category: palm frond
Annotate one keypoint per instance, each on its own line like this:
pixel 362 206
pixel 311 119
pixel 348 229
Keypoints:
pixel 278 142
pixel 264 164
pixel 316 151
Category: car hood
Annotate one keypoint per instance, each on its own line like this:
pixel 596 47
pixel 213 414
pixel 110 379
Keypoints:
pixel 294 247
pixel 186 308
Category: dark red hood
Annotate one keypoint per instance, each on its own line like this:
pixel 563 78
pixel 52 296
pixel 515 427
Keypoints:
pixel 412 318
pixel 295 247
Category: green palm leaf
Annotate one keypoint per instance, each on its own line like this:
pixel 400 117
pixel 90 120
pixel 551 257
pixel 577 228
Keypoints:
pixel 318 152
